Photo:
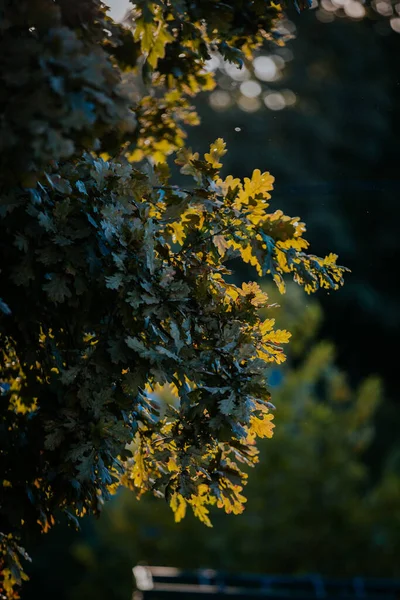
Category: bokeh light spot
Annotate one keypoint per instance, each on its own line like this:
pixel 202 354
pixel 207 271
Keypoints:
pixel 212 64
pixel 236 73
pixel 275 101
pixel 265 68
pixel 395 24
pixel 220 100
pixel 289 97
pixel 250 89
pixel 355 10
pixel 249 104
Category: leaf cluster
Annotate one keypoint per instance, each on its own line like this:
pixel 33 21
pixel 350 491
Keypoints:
pixel 115 285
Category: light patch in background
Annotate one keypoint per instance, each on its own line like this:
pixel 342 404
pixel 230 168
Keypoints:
pixel 249 104
pixel 213 64
pixel 395 24
pixel 289 97
pixel 235 72
pixel 327 5
pixel 220 100
pixel 118 8
pixel 275 101
pixel 384 8
pixel 329 9
pixel 265 68
pixel 355 10
pixel 250 89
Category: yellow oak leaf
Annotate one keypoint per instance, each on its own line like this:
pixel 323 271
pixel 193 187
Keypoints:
pixel 200 510
pixel 259 298
pixel 217 150
pixel 259 184
pixel 262 427
pixel 178 505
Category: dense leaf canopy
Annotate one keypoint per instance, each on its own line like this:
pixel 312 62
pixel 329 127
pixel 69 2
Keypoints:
pixel 114 280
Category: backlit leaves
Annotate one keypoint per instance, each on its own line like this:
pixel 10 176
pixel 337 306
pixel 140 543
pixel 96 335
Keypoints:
pixel 127 357
pixel 217 150
pixel 137 297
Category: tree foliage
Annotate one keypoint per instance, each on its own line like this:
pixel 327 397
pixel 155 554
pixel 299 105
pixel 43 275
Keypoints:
pixel 313 504
pixel 114 280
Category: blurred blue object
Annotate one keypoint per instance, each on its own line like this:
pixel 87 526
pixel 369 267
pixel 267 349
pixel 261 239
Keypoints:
pixel 275 378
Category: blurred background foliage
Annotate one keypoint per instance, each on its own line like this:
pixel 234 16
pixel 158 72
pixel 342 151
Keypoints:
pixel 320 114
